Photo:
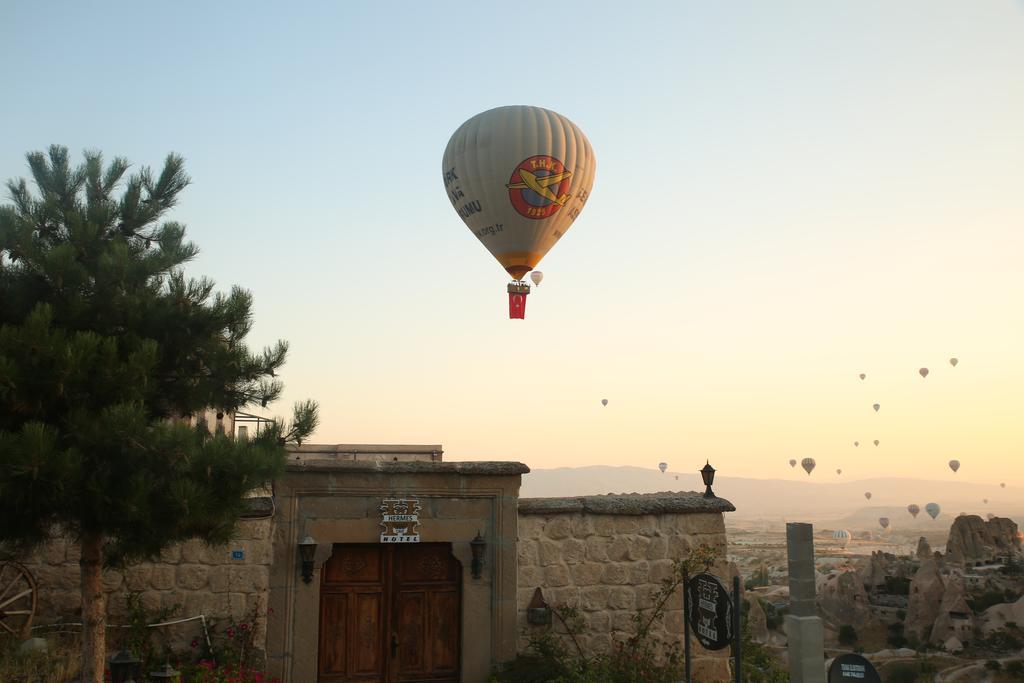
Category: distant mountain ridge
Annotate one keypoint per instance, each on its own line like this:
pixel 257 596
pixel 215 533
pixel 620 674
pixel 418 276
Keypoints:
pixel 793 499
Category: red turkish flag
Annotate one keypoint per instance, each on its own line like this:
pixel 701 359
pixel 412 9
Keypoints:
pixel 516 306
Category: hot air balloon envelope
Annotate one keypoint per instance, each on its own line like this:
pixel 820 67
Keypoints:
pixel 954 465
pixel 663 466
pixel 536 276
pixel 792 463
pixel 842 536
pixel 839 471
pixel 604 401
pixel 862 375
pixel 867 494
pixel 953 362
pixel 913 510
pixel 884 522
pixel 933 510
pixel 808 464
pixel 877 406
pixel 924 372
pixel 876 442
pixel 518 177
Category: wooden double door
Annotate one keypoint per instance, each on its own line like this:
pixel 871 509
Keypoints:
pixel 390 613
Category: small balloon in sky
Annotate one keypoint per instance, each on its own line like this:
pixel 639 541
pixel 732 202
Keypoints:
pixel 924 372
pixel 841 536
pixel 792 463
pixel 862 375
pixel 677 477
pixel 867 494
pixel 604 401
pixel 933 510
pixel 953 362
pixel 839 471
pixel 913 510
pixel 883 522
pixel 985 501
pixel 877 406
pixel 536 276
pixel 856 443
pixel 1003 486
pixel 808 464
pixel 876 442
pixel 663 466
pixel 954 465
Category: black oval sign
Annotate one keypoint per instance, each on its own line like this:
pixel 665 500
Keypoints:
pixel 849 668
pixel 710 614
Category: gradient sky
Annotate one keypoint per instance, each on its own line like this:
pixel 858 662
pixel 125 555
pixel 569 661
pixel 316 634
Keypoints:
pixel 787 194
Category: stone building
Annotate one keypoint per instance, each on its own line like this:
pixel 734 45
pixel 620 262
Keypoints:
pixel 417 569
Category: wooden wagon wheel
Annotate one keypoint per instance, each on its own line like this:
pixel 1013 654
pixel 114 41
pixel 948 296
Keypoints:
pixel 17 599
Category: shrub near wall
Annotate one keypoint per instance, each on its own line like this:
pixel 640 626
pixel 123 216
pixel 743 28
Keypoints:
pixel 606 556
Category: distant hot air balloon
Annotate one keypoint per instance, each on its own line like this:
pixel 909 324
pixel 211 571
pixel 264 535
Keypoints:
pixel 604 401
pixel 856 443
pixel 913 510
pixel 883 522
pixel 985 501
pixel 954 465
pixel 792 463
pixel 933 510
pixel 877 406
pixel 677 477
pixel 867 494
pixel 1003 486
pixel 953 362
pixel 518 177
pixel 876 442
pixel 862 375
pixel 808 464
pixel 663 466
pixel 924 372
pixel 536 276
pixel 841 536
pixel 839 471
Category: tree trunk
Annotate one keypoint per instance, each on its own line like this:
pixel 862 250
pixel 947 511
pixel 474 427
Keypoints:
pixel 94 609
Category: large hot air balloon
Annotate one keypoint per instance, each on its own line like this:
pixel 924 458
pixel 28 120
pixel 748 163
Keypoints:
pixel 933 510
pixel 877 406
pixel 883 522
pixel 841 536
pixel 913 509
pixel 953 362
pixel 792 463
pixel 923 372
pixel 954 465
pixel 862 375
pixel 604 401
pixel 663 466
pixel 518 177
pixel 867 494
pixel 808 464
pixel 536 276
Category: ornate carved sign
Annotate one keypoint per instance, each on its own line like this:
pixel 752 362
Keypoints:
pixel 400 519
pixel 710 614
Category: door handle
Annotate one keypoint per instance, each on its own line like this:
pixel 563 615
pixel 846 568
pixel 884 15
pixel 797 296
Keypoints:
pixel 394 644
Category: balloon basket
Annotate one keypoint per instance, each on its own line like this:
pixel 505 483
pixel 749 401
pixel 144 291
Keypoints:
pixel 517 292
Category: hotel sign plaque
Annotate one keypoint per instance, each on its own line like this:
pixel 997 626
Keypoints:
pixel 400 520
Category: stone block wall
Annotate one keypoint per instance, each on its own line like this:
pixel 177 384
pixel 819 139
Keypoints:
pixel 608 555
pixel 200 579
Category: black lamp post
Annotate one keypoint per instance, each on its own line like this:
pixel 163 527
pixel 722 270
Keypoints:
pixel 707 473
pixel 307 549
pixel 125 667
pixel 478 545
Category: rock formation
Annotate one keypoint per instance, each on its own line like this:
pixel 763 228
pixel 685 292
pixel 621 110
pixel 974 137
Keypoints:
pixel 842 599
pixel 973 540
pixel 924 551
pixel 757 620
pixel 926 592
pixel 998 616
pixel 954 619
pixel 880 566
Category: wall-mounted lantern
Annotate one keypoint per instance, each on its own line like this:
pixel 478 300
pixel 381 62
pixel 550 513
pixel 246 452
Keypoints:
pixel 479 546
pixel 707 473
pixel 538 612
pixel 125 667
pixel 307 549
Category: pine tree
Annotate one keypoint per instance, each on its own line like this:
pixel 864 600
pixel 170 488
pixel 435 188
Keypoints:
pixel 106 348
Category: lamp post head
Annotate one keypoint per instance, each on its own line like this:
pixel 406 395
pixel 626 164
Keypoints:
pixel 307 551
pixel 707 473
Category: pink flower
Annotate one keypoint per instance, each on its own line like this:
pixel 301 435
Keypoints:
pixel 244 627
pixel 194 643
pixel 231 632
